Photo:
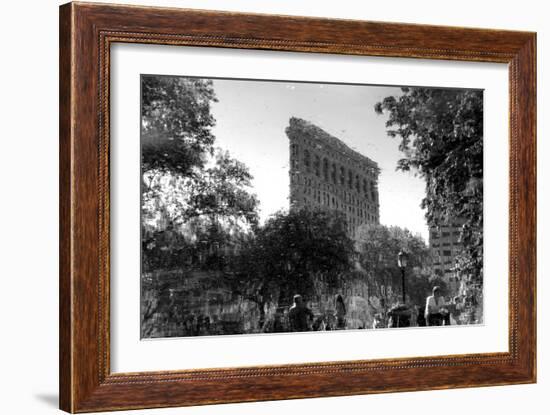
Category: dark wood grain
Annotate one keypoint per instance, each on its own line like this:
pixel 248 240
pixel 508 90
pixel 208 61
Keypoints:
pixel 65 247
pixel 86 33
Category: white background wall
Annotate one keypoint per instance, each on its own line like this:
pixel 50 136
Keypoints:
pixel 29 193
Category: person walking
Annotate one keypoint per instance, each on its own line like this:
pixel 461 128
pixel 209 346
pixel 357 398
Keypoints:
pixel 299 315
pixel 435 312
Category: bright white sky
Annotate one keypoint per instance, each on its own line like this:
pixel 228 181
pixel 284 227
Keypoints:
pixel 252 117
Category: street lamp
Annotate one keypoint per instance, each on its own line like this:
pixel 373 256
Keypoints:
pixel 383 263
pixel 402 259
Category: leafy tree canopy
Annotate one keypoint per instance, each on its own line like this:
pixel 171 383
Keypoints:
pixel 176 123
pixel 292 247
pixel 219 197
pixel 441 132
pixel 378 247
pixel 188 186
pixel 223 190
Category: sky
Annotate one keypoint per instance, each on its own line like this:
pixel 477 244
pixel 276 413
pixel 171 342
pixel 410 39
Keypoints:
pixel 251 118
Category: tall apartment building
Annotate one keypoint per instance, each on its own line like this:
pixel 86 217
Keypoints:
pixel 325 172
pixel 445 245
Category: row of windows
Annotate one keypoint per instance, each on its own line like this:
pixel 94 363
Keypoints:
pixel 335 154
pixel 313 187
pixel 445 227
pixel 329 199
pixel 331 173
pixel 436 235
pixel 324 199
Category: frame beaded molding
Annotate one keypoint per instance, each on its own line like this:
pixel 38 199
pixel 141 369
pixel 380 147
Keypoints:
pixel 106 37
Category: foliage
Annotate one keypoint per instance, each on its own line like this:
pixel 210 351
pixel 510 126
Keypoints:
pixel 175 123
pixel 378 247
pixel 441 132
pixel 195 198
pixel 222 191
pixel 420 285
pixel 203 213
pixel 163 249
pixel 294 247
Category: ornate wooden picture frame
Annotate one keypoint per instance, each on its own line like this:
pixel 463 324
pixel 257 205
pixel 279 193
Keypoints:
pixel 87 32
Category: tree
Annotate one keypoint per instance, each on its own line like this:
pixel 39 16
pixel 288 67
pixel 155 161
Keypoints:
pixel 378 246
pixel 441 132
pixel 302 243
pixel 175 123
pixel 205 212
pixel 176 136
pixel 292 249
pixel 222 193
pixel 188 186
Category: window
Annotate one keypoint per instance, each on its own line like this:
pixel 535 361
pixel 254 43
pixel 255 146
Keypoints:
pixel 357 184
pixel 307 160
pixel 446 253
pixel 317 166
pixel 342 176
pixel 325 169
pixel 333 173
pixel 350 179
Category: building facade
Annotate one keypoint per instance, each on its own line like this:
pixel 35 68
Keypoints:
pixel 445 245
pixel 326 173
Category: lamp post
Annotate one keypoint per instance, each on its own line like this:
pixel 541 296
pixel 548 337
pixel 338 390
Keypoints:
pixel 402 259
pixel 401 313
pixel 383 263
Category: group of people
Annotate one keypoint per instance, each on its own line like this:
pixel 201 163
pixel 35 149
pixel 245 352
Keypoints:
pixel 438 311
pixel 441 311
pixel 301 318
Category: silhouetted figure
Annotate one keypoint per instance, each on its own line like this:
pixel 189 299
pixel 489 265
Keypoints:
pixel 299 315
pixel 340 313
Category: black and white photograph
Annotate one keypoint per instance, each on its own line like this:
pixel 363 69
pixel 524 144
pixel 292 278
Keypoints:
pixel 277 206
